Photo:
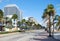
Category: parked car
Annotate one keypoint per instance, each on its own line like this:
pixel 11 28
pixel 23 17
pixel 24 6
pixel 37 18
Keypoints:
pixel 1 27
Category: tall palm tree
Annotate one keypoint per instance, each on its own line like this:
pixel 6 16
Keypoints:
pixel 48 13
pixel 15 17
pixel 57 18
pixel 51 12
pixel 1 15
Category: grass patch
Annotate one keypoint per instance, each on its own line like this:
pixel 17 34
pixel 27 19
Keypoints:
pixel 6 32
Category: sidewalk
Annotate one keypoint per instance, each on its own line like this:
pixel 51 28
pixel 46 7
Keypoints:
pixel 43 37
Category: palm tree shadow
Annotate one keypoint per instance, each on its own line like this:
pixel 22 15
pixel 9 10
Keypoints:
pixel 41 34
pixel 45 39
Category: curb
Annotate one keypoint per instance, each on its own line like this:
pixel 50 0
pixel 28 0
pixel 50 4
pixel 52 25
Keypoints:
pixel 4 35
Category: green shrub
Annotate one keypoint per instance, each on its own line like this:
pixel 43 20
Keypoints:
pixel 3 32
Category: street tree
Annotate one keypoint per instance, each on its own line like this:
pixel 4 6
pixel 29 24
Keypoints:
pixel 48 13
pixel 1 15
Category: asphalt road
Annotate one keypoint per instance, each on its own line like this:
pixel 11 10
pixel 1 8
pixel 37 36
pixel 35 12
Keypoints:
pixel 34 35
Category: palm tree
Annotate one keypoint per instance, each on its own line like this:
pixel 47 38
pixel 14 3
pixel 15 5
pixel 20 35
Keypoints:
pixel 27 24
pixel 39 26
pixel 51 12
pixel 48 13
pixel 8 22
pixel 1 20
pixel 1 15
pixel 6 19
pixel 23 20
pixel 30 24
pixel 19 23
pixel 14 16
pixel 57 18
pixel 23 23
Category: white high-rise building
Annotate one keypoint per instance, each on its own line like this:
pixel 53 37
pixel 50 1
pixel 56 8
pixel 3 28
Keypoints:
pixel 11 9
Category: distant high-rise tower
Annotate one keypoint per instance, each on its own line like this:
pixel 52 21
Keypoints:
pixel 11 9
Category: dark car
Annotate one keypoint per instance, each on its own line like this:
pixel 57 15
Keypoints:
pixel 1 27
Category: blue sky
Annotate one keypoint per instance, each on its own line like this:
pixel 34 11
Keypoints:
pixel 32 8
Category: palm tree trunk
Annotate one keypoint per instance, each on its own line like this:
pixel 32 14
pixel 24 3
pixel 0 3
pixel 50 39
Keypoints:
pixel 49 27
pixel 53 27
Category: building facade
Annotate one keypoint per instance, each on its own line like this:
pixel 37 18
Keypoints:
pixel 11 9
